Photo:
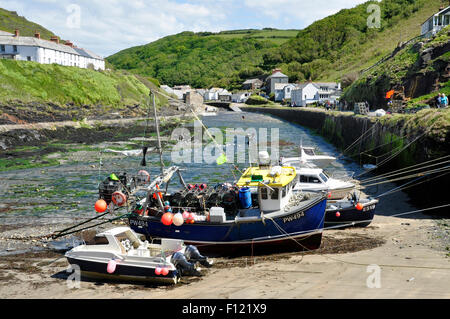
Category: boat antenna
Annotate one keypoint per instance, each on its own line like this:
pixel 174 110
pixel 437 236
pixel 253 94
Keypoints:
pixel 157 132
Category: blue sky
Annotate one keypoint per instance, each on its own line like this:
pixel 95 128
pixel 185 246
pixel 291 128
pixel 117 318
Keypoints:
pixel 108 26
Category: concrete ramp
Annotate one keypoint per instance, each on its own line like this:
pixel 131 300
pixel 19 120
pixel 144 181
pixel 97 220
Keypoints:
pixel 234 108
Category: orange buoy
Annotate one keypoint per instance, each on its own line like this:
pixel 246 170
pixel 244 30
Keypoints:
pixel 159 193
pixel 359 206
pixel 167 219
pixel 119 198
pixel 100 206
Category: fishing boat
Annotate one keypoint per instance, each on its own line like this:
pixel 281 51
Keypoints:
pixel 228 218
pixel 308 155
pixel 119 254
pixel 350 212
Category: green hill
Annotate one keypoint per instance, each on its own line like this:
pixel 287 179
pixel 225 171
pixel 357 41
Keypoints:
pixel 328 49
pixel 23 84
pixel 203 59
pixel 342 43
pixel 10 20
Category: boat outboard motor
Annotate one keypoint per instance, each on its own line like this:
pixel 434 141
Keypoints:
pixel 185 267
pixel 192 254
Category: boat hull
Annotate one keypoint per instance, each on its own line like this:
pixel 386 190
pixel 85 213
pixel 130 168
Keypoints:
pixel 123 272
pixel 300 228
pixel 350 216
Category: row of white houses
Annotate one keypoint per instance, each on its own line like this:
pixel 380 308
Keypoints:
pixel 16 47
pixel 307 93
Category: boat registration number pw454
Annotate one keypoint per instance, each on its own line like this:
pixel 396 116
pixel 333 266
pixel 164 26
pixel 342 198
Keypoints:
pixel 292 217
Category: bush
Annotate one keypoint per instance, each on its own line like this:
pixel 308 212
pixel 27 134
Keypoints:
pixel 256 100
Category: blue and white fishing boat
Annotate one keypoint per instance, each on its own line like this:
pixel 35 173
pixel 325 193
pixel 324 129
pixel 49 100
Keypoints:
pixel 231 218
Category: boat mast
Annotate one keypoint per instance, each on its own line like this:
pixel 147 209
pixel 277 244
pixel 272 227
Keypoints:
pixel 157 133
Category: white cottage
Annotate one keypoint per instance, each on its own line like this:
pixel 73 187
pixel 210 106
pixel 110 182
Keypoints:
pixel 283 91
pixel 16 47
pixel 303 94
pixel 240 97
pixel 436 22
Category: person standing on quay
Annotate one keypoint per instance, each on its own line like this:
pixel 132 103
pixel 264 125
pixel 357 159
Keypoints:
pixel 444 101
pixel 439 101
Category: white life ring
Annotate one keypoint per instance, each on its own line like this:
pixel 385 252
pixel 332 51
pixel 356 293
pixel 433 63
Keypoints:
pixel 143 176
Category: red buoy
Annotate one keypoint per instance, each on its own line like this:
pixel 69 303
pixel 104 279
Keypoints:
pixel 167 219
pixel 100 206
pixel 359 206
pixel 164 271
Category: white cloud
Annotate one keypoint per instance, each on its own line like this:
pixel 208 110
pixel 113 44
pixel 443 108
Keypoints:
pixel 108 26
pixel 300 11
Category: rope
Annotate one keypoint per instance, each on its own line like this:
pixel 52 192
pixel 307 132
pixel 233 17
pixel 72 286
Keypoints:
pixel 403 188
pixel 410 176
pixel 406 168
pixel 395 154
pixel 381 265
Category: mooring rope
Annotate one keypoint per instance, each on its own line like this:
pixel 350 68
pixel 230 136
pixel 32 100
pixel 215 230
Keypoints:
pixel 282 231
pixel 395 154
pixel 406 169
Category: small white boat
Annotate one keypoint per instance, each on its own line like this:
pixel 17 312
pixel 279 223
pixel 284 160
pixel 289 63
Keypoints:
pixel 308 155
pixel 316 179
pixel 119 254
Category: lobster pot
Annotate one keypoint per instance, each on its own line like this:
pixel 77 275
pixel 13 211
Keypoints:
pixel 106 189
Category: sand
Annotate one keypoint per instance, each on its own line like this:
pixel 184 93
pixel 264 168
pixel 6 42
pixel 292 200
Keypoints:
pixel 411 256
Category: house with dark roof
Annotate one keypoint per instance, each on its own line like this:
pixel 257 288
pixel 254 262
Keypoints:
pixel 16 47
pixel 275 77
pixel 252 84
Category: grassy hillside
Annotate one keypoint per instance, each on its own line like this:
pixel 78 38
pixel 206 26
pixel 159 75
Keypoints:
pixel 342 43
pixel 10 20
pixel 416 73
pixel 203 59
pixel 328 49
pixel 34 82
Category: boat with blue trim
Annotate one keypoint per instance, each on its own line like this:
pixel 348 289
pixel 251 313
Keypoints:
pixel 232 218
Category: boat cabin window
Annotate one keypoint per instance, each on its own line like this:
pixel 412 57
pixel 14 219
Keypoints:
pixel 99 240
pixel 274 193
pixel 314 180
pixel 283 194
pixel 309 151
pixel 263 193
pixel 309 179
pixel 323 177
pixel 130 236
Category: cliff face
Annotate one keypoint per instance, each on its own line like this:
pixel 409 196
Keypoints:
pixel 416 70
